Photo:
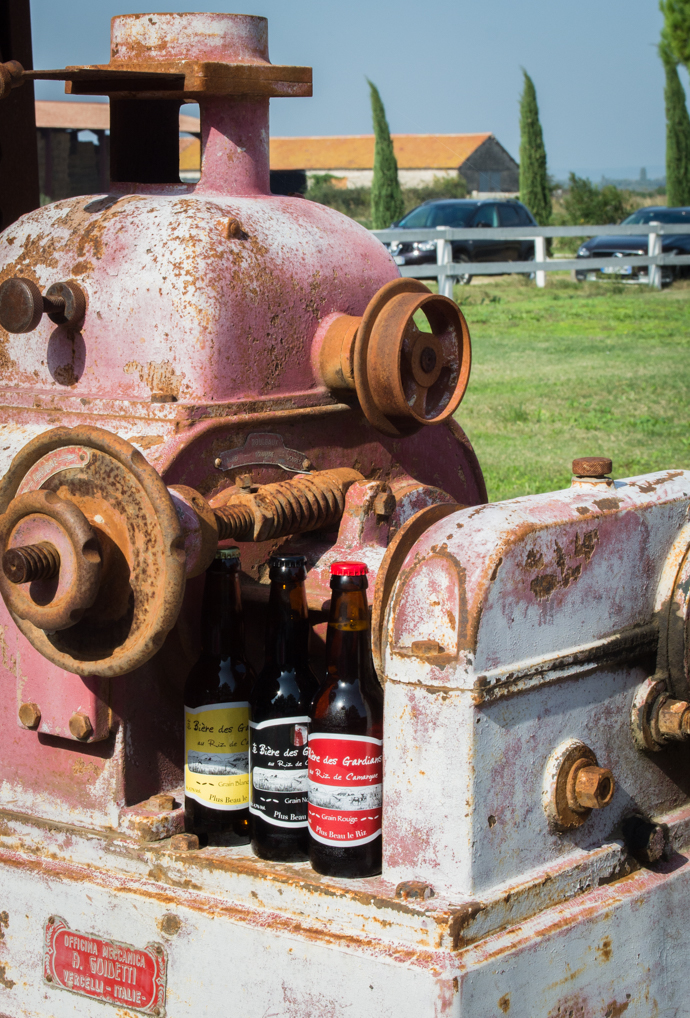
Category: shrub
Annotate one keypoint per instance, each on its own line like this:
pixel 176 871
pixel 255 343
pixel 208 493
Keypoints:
pixel 585 203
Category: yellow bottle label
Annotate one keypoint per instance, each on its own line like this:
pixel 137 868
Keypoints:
pixel 216 771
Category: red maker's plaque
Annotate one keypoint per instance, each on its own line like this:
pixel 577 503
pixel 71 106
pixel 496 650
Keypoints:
pixel 104 969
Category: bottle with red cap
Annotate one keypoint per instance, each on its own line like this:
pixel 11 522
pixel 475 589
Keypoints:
pixel 346 739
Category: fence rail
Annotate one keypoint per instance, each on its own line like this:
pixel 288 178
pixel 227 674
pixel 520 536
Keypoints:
pixel 447 272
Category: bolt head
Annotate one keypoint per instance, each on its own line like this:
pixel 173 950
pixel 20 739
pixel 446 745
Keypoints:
pixel 184 842
pixel 594 787
pixel 80 726
pixel 414 889
pixel 30 715
pixel 244 481
pixel 162 803
pixel 592 466
pixel 218 463
pixel 384 503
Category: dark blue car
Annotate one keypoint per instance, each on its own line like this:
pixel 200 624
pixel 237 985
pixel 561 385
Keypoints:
pixel 611 247
pixel 459 213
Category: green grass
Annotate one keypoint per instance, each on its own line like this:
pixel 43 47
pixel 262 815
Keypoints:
pixel 575 370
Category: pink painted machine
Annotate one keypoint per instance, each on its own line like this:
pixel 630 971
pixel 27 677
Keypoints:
pixel 190 364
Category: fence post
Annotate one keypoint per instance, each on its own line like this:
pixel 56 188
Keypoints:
pixel 654 271
pixel 540 256
pixel 444 256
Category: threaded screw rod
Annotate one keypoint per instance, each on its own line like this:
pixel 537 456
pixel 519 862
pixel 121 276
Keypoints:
pixel 306 502
pixel 31 562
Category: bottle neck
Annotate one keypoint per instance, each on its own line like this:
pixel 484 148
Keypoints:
pixel 222 627
pixel 348 640
pixel 288 625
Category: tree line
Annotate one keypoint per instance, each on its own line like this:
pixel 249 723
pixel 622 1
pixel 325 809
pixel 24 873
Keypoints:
pixel 583 202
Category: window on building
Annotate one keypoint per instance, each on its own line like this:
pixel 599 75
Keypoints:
pixel 489 180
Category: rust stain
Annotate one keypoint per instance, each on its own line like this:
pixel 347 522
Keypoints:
pixel 534 560
pixel 607 503
pixel 615 1010
pixel 604 950
pixel 5 979
pixel 146 441
pixel 460 920
pixel 543 586
pixel 504 1003
pixel 584 511
pixel 4 923
pixel 496 568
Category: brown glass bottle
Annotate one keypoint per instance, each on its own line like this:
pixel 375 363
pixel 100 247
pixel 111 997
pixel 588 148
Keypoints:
pixel 345 739
pixel 216 698
pixel 280 704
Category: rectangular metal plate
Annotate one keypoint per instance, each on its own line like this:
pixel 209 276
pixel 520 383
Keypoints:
pixel 105 970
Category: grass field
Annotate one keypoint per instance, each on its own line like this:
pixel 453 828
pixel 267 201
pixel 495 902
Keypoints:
pixel 575 370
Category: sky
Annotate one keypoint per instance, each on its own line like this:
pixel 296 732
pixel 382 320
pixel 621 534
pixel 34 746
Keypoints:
pixel 442 66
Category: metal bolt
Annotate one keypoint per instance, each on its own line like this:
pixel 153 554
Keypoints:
pixel 30 715
pixel 80 726
pixel 184 842
pixel 644 839
pixel 163 803
pixel 384 503
pixel 592 466
pixel 244 481
pixel 673 719
pixel 414 889
pixel 234 229
pixel 594 787
pixel 31 562
pixel 22 304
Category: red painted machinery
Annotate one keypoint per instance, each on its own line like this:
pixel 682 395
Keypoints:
pixel 190 364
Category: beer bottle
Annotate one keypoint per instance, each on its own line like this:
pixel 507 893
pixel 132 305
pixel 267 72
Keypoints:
pixel 280 704
pixel 346 738
pixel 216 698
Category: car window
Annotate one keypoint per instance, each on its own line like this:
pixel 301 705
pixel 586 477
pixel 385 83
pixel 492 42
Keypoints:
pixel 448 214
pixel 525 217
pixel 509 215
pixel 486 216
pixel 416 219
pixel 658 216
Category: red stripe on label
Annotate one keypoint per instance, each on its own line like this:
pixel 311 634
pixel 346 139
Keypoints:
pixel 345 762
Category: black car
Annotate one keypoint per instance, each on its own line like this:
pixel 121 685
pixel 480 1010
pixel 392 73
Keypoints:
pixel 612 247
pixel 458 213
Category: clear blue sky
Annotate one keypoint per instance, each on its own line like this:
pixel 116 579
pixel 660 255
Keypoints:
pixel 442 66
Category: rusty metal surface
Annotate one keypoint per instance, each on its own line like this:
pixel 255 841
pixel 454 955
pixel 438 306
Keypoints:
pixel 534 643
pixel 55 596
pixel 427 955
pixel 306 502
pixel 117 616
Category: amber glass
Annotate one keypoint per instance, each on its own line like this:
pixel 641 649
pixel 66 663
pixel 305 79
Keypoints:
pixel 221 675
pixel 284 690
pixel 350 702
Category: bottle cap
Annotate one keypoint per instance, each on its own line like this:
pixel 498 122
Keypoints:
pixel 286 561
pixel 349 569
pixel 228 553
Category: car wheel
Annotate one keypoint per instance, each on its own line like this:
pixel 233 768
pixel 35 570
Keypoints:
pixel 466 278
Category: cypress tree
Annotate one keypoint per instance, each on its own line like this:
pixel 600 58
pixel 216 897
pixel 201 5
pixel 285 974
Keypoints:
pixel 677 135
pixel 534 183
pixel 676 33
pixel 387 204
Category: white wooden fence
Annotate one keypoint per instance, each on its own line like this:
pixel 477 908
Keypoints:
pixel 446 271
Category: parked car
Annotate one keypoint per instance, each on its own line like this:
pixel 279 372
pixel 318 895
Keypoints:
pixel 618 247
pixel 462 212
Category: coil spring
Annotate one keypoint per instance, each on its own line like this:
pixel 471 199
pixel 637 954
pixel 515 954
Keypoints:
pixel 306 502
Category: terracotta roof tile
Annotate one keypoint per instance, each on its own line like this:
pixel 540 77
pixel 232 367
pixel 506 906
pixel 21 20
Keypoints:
pixel 356 152
pixel 88 116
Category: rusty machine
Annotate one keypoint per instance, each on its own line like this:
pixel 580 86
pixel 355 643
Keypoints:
pixel 189 364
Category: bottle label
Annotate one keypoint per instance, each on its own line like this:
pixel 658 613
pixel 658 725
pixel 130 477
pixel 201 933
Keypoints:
pixel 216 771
pixel 345 788
pixel 278 759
